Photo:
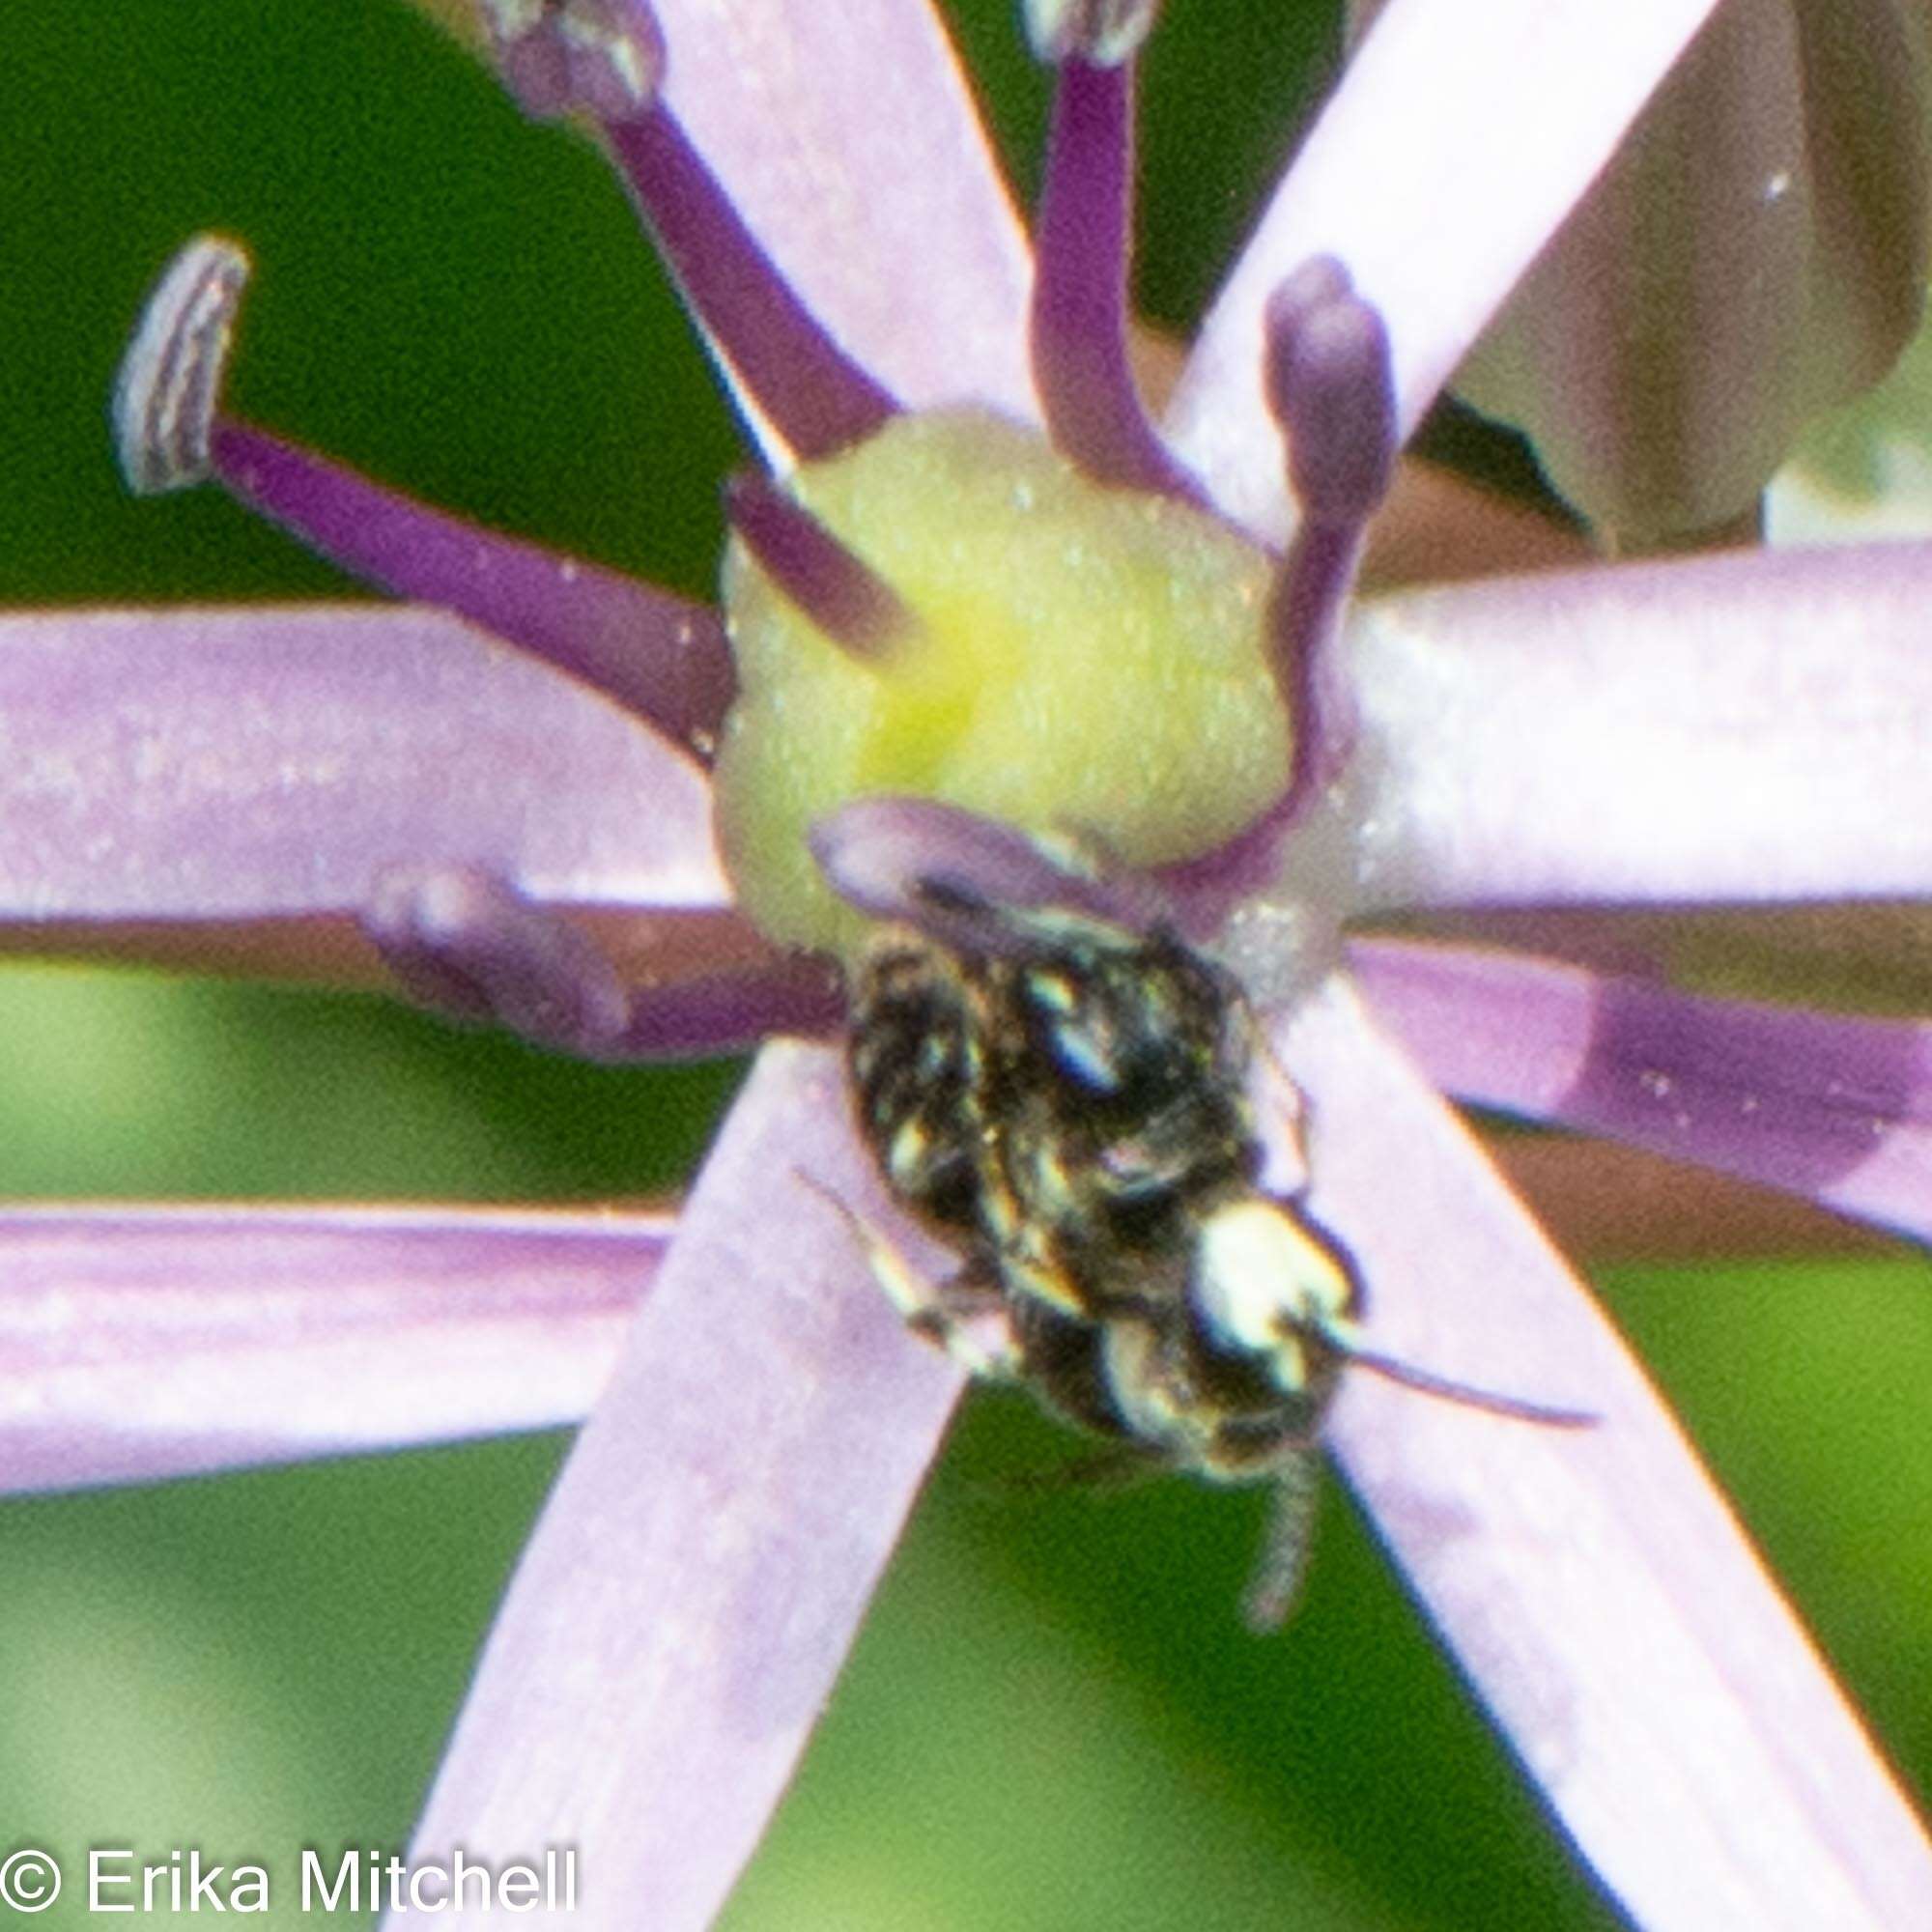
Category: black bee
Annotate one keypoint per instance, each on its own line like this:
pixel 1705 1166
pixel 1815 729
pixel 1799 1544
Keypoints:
pixel 1065 1101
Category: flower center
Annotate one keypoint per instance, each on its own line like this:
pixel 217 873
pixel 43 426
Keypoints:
pixel 1087 664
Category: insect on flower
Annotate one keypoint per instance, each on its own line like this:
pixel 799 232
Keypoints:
pixel 925 600
pixel 1065 1101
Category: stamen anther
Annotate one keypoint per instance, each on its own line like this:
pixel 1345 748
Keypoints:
pixel 469 945
pixel 1105 32
pixel 606 58
pixel 1329 383
pixel 170 382
pixel 663 657
pixel 954 873
pixel 838 590
pixel 1325 371
pixel 603 56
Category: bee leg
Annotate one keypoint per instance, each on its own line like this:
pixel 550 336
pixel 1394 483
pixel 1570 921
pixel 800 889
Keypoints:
pixel 1277 1579
pixel 965 1314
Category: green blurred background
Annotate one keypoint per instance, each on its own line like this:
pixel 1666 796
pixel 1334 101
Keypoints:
pixel 1053 1719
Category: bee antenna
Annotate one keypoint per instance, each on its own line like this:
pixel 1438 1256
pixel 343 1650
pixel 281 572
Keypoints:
pixel 1424 1384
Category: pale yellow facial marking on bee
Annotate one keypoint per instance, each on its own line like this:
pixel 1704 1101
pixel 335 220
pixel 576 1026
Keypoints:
pixel 1261 1280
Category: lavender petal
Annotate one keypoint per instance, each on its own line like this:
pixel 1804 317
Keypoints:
pixel 687 1600
pixel 138 1344
pixel 207 764
pixel 1457 140
pixel 1836 1109
pixel 1748 726
pixel 894 227
pixel 1592 1584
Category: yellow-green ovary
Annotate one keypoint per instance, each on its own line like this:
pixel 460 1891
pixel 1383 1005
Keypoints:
pixel 1088 664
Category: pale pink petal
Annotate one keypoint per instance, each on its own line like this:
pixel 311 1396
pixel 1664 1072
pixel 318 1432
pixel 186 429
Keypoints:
pixel 1591 1584
pixel 1457 140
pixel 1832 1107
pixel 142 1343
pixel 687 1600
pixel 1749 727
pixel 252 761
pixel 847 138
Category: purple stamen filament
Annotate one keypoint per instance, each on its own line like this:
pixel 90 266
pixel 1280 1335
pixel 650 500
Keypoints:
pixel 660 656
pixel 816 397
pixel 843 596
pixel 1079 315
pixel 1329 386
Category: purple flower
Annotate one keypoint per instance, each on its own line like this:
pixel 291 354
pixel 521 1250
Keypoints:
pixel 461 788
